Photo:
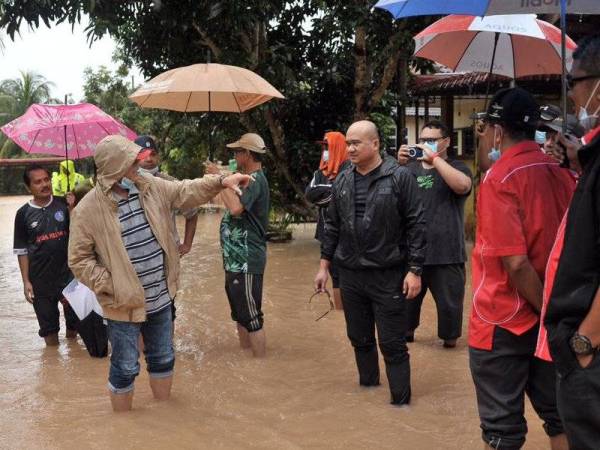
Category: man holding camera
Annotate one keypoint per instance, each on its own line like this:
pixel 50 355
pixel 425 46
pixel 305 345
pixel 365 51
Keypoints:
pixel 444 185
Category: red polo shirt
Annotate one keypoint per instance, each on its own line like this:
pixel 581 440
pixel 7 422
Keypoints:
pixel 590 136
pixel 542 350
pixel 520 204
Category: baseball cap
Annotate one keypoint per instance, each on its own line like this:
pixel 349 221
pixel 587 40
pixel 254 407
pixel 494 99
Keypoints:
pixel 148 146
pixel 573 126
pixel 250 141
pixel 549 112
pixel 514 107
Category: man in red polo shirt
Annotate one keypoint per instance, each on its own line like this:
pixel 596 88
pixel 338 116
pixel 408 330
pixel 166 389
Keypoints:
pixel 521 202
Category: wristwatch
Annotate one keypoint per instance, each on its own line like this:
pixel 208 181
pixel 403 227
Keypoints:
pixel 415 270
pixel 581 345
pixel 221 178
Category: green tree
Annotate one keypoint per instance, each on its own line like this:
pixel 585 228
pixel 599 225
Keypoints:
pixel 16 95
pixel 334 61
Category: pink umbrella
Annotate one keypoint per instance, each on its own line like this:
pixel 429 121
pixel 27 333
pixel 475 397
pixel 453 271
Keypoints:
pixel 512 45
pixel 71 131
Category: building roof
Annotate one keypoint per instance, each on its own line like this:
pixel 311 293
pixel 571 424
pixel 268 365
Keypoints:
pixel 475 83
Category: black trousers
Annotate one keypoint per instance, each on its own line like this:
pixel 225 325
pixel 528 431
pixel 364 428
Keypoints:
pixel 502 376
pixel 578 397
pixel 47 313
pixel 447 285
pixel 373 299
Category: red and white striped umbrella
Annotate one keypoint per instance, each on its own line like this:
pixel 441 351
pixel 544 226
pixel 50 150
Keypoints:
pixel 519 45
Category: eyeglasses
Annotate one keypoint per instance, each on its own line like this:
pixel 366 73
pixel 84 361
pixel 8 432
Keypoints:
pixel 572 81
pixel 331 307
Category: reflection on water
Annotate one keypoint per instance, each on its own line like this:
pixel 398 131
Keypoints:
pixel 303 395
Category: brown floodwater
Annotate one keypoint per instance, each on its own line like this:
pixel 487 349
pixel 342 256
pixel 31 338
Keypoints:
pixel 303 395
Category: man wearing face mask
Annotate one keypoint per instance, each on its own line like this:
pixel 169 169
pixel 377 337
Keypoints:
pixel 150 165
pixel 122 248
pixel 573 313
pixel 520 204
pixel 444 184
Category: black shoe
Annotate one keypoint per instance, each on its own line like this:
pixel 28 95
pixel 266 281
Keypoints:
pixel 450 343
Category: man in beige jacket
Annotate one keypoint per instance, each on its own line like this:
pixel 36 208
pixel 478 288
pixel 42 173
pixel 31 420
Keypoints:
pixel 121 247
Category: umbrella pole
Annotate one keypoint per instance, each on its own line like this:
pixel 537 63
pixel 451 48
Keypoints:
pixel 490 73
pixel 210 145
pixel 563 51
pixel 67 160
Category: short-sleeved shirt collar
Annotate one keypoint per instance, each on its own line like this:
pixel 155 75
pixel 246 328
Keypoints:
pixel 517 149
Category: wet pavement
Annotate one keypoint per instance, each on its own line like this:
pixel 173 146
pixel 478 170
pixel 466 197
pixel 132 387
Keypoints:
pixel 303 395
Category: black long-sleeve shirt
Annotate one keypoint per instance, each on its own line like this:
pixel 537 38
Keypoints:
pixel 578 274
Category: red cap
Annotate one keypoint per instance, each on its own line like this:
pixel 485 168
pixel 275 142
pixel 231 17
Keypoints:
pixel 143 154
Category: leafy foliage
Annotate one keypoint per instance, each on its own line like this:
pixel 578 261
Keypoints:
pixel 335 62
pixel 16 95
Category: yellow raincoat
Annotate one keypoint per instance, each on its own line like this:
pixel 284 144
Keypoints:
pixel 59 179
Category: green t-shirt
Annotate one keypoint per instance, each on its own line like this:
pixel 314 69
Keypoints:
pixel 244 238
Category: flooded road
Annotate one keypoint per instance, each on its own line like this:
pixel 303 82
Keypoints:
pixel 303 395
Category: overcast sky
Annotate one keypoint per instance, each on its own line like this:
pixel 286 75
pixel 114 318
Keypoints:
pixel 59 54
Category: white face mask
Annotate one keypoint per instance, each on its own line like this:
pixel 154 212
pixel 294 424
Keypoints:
pixel 540 137
pixel 152 171
pixel 126 183
pixel 587 121
pixel 326 155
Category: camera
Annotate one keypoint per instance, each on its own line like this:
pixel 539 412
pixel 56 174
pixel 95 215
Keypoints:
pixel 414 152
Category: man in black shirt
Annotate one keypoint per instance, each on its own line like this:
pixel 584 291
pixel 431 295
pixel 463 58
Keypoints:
pixel 375 232
pixel 444 184
pixel 573 313
pixel 40 243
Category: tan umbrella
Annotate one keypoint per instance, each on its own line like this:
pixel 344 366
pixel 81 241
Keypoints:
pixel 205 87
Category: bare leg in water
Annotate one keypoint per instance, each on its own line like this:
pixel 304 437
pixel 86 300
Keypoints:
pixel 258 342
pixel 161 387
pixel 121 402
pixel 243 336
pixel 51 340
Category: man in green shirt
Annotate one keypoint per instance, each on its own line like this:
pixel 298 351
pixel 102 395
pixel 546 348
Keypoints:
pixel 244 243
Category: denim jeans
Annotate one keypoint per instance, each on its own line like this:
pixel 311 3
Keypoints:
pixel 158 350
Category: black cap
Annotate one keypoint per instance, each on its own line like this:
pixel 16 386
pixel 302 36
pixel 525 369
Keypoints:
pixel 514 107
pixel 146 142
pixel 548 113
pixel 573 127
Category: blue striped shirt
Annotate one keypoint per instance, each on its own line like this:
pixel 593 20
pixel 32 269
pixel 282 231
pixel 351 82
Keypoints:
pixel 144 251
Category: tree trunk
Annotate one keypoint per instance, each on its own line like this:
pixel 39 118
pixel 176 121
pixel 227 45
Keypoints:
pixel 361 78
pixel 279 156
